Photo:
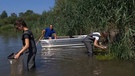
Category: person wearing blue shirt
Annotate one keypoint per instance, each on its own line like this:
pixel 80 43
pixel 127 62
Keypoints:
pixel 49 33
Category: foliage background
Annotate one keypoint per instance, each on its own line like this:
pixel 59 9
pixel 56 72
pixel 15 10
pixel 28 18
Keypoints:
pixel 75 17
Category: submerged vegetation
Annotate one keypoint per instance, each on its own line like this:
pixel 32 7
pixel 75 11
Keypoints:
pixel 82 17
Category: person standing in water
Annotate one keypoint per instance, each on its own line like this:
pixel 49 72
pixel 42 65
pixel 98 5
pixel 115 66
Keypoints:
pixel 28 44
pixel 93 39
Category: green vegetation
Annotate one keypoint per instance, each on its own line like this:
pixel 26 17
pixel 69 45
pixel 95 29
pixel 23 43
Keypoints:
pixel 73 17
pixel 105 57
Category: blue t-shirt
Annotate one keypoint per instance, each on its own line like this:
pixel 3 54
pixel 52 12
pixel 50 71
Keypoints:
pixel 48 33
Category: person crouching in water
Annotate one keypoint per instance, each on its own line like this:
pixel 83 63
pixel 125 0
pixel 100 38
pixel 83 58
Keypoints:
pixel 28 44
pixel 93 39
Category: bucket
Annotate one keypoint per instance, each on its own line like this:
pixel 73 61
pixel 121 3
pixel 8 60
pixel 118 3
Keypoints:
pixel 16 65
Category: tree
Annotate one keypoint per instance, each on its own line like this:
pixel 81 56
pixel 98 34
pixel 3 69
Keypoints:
pixel 13 15
pixel 21 14
pixel 4 15
pixel 29 12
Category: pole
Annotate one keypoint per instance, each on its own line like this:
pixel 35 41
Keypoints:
pixel 39 39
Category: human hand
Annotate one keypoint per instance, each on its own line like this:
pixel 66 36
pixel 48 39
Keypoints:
pixel 104 47
pixel 17 56
pixel 50 38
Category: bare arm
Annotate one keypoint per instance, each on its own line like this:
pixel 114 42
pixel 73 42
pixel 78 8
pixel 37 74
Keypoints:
pixel 23 49
pixel 43 32
pixel 55 36
pixel 97 45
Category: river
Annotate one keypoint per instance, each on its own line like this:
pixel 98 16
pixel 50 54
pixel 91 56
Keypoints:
pixel 64 61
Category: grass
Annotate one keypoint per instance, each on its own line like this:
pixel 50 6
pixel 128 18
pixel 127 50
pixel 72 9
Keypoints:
pixel 104 57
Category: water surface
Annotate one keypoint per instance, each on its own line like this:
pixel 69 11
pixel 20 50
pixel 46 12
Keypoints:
pixel 64 61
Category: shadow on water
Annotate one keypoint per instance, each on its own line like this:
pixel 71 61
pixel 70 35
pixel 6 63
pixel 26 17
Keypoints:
pixel 63 61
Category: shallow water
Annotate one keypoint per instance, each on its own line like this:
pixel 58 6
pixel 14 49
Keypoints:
pixel 64 61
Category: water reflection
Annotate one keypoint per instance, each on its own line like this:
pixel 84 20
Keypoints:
pixel 67 61
pixel 74 62
pixel 65 53
pixel 63 61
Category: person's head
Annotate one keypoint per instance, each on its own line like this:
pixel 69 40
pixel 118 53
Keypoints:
pixel 104 37
pixel 51 26
pixel 104 34
pixel 19 24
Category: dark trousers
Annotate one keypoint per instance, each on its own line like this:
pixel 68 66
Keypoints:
pixel 89 45
pixel 48 37
pixel 31 61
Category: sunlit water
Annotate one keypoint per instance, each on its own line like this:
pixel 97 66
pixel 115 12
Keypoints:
pixel 63 61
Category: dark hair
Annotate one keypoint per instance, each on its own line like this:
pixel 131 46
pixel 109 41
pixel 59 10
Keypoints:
pixel 104 33
pixel 20 22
